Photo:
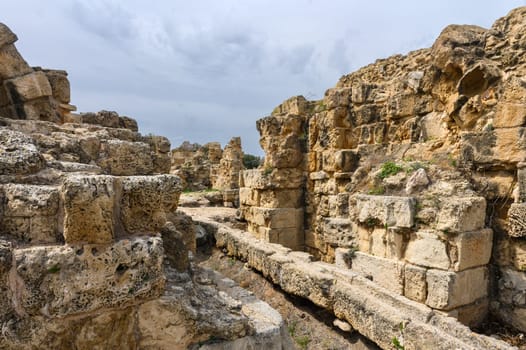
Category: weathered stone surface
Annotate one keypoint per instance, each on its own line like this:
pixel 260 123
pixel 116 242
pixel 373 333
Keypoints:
pixel 427 249
pixel 415 286
pixel 275 218
pixel 66 280
pixel 512 287
pixel 18 154
pixel 500 146
pixel 272 178
pixel 60 86
pixel 461 214
pixel 472 249
pixel 28 87
pixel 517 220
pixel 385 272
pixel 390 211
pixel 7 37
pixel 125 158
pixel 448 290
pixel 88 209
pixel 417 181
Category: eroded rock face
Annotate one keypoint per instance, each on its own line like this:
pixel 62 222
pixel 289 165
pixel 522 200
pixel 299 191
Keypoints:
pixel 416 162
pixel 92 252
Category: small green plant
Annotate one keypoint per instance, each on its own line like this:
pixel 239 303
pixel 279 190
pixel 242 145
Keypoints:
pixel 303 341
pixel 415 166
pixel 54 269
pixel 489 127
pixel 291 328
pixel 377 190
pixel 388 169
pixel 211 190
pixel 396 343
pixel 232 261
pixel 452 161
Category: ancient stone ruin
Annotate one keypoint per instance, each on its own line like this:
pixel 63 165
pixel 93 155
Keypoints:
pixel 92 255
pixel 397 203
pixel 209 167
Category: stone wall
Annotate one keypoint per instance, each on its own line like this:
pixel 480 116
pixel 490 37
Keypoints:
pixel 93 254
pixel 210 167
pixel 410 172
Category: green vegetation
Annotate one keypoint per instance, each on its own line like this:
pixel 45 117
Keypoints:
pixel 303 341
pixel 54 269
pixel 396 344
pixel 251 161
pixel 388 169
pixel 377 190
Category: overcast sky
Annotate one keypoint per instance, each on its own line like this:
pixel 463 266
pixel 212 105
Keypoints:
pixel 207 70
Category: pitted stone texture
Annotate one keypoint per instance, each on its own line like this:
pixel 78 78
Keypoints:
pixel 57 281
pixel 388 211
pixel 30 213
pixel 125 158
pixel 512 287
pixel 88 209
pixel 461 214
pixel 517 220
pixel 272 178
pixel 448 290
pixel 146 200
pixel 18 154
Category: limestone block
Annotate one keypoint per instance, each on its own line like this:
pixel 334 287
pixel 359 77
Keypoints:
pixel 18 154
pixel 13 64
pixel 30 200
pixel 40 109
pixel 280 198
pixel 43 229
pixel 56 281
pixel 512 287
pixel 88 209
pixel 472 249
pixel 28 87
pixel 125 158
pixel 337 97
pixel 461 214
pixel 339 232
pixel 308 280
pixel 388 211
pixel 7 37
pixel 385 272
pixel 509 115
pixel 293 105
pixel 417 181
pixel 518 255
pixel 248 197
pixel 491 148
pixel 128 123
pixel 448 290
pixel 427 249
pixel 471 315
pixel 59 85
pixel 517 220
pixel 276 217
pixel 339 205
pixel 107 119
pixel 415 287
pixel 386 243
pixel 272 178
pixel 288 237
pixel 434 126
pixel 521 181
pixel 146 201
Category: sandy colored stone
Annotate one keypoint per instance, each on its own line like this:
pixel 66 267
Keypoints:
pixel 88 209
pixel 19 155
pixel 67 280
pixel 448 290
pixel 428 249
pixel 472 249
pixel 384 272
pixel 29 87
pixel 461 214
pixel 125 158
pixel 516 220
pixel 415 287
pixel 390 211
pixel 146 201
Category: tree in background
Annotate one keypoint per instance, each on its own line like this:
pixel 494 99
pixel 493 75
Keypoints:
pixel 250 161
